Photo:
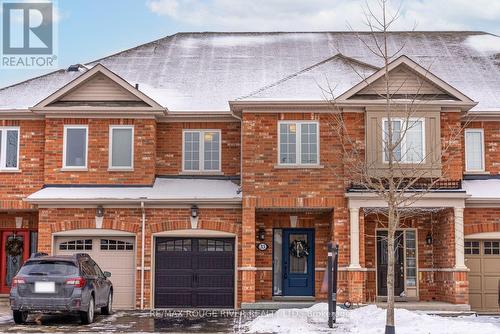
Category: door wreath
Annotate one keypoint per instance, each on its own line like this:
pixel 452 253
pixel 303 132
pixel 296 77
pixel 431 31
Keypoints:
pixel 14 246
pixel 299 248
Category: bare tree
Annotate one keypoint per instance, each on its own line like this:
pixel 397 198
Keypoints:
pixel 405 177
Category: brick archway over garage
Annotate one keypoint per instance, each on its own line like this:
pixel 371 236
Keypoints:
pixel 481 220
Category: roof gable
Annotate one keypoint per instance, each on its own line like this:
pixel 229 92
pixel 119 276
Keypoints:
pixel 403 81
pixel 98 88
pixel 407 80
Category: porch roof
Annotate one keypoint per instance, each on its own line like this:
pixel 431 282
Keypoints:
pixel 164 190
pixel 482 192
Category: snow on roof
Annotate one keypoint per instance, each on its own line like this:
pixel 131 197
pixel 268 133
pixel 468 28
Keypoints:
pixel 203 71
pixel 164 189
pixel 325 80
pixel 482 189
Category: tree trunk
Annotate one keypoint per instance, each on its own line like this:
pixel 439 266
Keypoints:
pixel 392 223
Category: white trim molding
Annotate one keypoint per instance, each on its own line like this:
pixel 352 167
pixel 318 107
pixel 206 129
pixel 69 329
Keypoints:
pixel 354 233
pixel 110 148
pixel 458 213
pixel 65 138
pixel 484 235
pixel 483 165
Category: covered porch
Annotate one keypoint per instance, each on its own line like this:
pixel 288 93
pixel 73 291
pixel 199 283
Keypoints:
pixel 429 248
pixel 290 256
pixel 18 240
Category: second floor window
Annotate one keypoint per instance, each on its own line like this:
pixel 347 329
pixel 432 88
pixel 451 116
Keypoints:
pixel 408 136
pixel 201 150
pixel 75 146
pixel 9 148
pixel 474 150
pixel 121 147
pixel 298 143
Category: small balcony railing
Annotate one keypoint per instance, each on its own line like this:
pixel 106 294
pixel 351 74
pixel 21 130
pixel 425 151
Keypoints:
pixel 409 185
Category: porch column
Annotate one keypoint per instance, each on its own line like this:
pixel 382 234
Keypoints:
pixel 459 238
pixel 354 232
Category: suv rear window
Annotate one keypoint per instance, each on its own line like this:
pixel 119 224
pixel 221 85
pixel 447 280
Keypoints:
pixel 49 268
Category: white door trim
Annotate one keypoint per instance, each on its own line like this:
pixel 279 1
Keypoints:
pixel 404 259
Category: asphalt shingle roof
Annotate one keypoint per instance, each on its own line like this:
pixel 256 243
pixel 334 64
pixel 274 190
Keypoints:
pixel 203 71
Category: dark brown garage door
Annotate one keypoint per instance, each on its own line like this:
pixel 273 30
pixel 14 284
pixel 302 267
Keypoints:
pixel 194 272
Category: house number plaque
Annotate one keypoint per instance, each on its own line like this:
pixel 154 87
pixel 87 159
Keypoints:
pixel 262 246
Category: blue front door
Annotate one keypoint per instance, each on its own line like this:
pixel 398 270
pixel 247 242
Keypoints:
pixel 298 262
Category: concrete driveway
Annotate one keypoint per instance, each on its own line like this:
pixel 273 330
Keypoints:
pixel 133 322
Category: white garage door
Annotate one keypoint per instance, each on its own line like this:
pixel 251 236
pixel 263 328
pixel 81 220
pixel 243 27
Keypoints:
pixel 483 259
pixel 113 254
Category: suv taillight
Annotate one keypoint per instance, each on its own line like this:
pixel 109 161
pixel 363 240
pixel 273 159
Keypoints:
pixel 17 281
pixel 78 282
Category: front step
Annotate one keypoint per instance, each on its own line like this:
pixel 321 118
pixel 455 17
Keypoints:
pixel 276 305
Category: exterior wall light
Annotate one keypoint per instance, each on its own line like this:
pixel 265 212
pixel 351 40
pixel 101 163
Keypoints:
pixel 100 211
pixel 428 239
pixel 261 234
pixel 194 211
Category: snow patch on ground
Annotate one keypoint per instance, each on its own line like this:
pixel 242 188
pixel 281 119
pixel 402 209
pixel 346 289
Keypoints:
pixel 484 43
pixel 369 320
pixel 4 318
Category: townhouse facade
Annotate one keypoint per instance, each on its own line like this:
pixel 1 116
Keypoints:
pixel 203 170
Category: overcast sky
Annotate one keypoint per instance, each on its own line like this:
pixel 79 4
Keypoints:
pixel 90 29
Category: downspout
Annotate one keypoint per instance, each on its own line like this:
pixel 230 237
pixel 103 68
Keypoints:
pixel 143 239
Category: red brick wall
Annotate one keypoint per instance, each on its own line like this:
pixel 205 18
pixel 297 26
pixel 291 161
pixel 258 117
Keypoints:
pixel 452 145
pixel 480 220
pixel 169 146
pixel 439 255
pixel 319 221
pixel 306 186
pixel 14 186
pixel 157 220
pixel 8 219
pixel 98 150
pixel 491 145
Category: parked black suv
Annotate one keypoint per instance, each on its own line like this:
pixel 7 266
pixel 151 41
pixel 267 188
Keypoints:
pixel 53 284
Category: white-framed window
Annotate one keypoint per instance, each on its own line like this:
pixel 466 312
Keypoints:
pixel 201 150
pixel 9 148
pixel 75 146
pixel 410 133
pixel 121 147
pixel 474 150
pixel 298 143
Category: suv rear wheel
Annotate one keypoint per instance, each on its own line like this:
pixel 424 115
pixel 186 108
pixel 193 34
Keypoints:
pixel 108 309
pixel 88 317
pixel 20 317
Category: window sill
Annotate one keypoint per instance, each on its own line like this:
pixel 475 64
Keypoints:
pixel 201 173
pixel 74 169
pixel 298 166
pixel 6 171
pixel 120 169
pixel 477 173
